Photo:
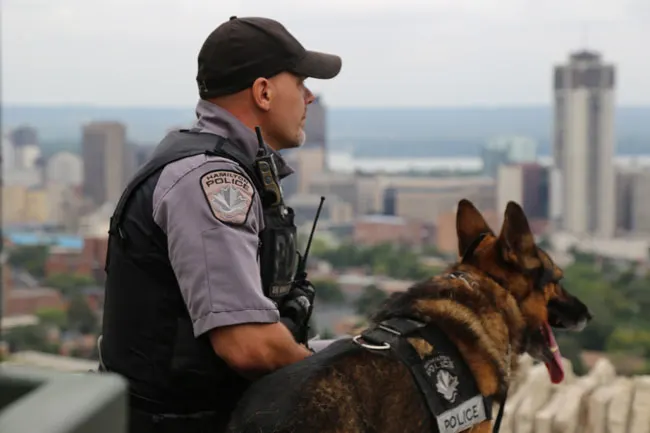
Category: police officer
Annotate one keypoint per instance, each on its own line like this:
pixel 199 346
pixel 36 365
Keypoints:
pixel 200 297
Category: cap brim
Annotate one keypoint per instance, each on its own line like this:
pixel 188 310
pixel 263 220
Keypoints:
pixel 318 65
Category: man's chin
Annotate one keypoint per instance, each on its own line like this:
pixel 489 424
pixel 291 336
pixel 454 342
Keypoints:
pixel 302 139
pixel 299 141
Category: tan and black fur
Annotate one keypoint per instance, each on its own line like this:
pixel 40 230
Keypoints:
pixel 509 287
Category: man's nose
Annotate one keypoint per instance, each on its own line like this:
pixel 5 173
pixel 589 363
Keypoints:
pixel 309 96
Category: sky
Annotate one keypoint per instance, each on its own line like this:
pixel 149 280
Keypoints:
pixel 396 53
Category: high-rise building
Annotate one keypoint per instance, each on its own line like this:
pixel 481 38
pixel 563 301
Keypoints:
pixel 527 184
pixel 583 148
pixel 24 136
pixel 26 147
pixel 106 161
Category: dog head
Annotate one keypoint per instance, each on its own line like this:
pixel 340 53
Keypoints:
pixel 514 261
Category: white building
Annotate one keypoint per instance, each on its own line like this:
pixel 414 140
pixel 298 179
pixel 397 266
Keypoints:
pixel 584 144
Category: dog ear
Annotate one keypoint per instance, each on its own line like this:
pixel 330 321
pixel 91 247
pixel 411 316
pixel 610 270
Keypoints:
pixel 469 225
pixel 516 240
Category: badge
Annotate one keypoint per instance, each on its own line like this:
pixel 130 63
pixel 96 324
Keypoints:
pixel 229 194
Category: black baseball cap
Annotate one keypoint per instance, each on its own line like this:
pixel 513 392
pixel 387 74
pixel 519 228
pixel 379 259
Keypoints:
pixel 242 50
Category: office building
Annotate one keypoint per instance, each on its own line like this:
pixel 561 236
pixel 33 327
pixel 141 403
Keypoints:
pixel 584 144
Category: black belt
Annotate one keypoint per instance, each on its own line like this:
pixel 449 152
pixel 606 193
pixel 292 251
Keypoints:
pixel 180 407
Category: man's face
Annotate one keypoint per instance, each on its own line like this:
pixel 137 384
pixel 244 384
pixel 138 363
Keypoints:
pixel 285 120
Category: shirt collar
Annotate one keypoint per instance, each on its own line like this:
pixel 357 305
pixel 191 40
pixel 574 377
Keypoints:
pixel 216 120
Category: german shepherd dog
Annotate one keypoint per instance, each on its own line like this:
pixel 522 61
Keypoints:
pixel 500 301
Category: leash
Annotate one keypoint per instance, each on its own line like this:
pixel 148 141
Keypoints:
pixel 497 421
pixel 502 406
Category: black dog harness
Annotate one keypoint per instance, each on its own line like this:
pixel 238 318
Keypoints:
pixel 444 379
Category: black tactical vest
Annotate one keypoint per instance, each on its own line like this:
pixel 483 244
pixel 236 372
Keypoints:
pixel 169 370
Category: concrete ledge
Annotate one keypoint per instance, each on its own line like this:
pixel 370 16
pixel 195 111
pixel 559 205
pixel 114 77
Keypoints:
pixel 35 400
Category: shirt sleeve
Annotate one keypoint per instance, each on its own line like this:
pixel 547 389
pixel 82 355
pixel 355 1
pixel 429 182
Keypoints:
pixel 211 214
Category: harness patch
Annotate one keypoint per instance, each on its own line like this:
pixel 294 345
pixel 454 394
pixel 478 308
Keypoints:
pixel 439 370
pixel 229 194
pixel 444 379
pixel 463 406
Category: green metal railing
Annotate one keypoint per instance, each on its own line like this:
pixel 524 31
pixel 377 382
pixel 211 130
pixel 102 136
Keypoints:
pixel 39 401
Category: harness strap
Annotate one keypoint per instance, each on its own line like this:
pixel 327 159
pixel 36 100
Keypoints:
pixel 499 418
pixel 385 333
pixel 390 336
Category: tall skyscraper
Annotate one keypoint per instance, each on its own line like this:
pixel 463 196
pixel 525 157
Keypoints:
pixel 106 161
pixel 584 144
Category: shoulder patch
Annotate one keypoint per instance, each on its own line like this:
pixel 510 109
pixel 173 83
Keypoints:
pixel 229 195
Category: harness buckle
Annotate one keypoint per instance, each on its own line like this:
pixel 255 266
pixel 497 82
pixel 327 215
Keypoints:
pixel 385 345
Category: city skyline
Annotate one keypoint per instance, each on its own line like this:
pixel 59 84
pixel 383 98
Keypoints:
pixel 409 53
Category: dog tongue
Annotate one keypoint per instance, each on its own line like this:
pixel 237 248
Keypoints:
pixel 554 367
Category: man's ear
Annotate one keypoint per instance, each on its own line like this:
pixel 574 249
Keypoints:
pixel 516 240
pixel 262 92
pixel 470 224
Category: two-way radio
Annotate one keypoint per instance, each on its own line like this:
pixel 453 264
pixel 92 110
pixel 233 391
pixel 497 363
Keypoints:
pixel 268 172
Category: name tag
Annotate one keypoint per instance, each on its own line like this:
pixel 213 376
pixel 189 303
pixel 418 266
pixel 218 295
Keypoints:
pixel 463 416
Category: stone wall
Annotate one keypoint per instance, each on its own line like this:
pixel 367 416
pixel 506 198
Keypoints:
pixel 599 402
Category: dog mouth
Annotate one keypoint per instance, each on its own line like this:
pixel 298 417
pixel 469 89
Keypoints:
pixel 551 355
pixel 571 316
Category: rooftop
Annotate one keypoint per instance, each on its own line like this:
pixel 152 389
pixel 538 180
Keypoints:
pixel 65 241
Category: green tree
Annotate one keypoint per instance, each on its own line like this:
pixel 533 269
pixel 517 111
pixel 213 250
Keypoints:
pixel 608 305
pixel 431 250
pixel 370 300
pixel 630 340
pixel 68 284
pixel 572 350
pixel 53 317
pixel 31 258
pixel 80 317
pixel 31 337
pixel 328 291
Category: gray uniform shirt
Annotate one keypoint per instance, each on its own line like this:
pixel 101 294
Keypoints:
pixel 212 215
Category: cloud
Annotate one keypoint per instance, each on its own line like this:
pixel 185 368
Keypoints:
pixel 395 52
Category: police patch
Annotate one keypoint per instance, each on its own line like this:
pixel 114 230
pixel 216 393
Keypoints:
pixel 229 194
pixel 461 408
